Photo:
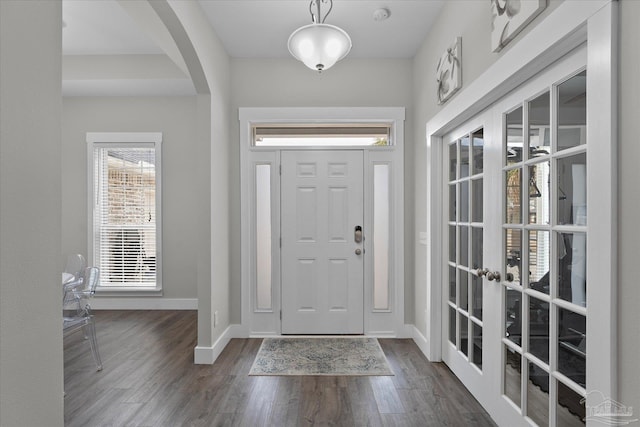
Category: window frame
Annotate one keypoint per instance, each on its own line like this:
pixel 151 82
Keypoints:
pixel 124 140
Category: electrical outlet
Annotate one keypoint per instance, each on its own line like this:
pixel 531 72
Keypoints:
pixel 215 318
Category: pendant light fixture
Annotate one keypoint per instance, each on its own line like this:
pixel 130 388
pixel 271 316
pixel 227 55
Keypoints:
pixel 319 45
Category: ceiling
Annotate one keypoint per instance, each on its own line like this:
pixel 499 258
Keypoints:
pixel 255 28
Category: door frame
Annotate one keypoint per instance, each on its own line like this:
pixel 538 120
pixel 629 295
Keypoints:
pixel 266 322
pixel 567 27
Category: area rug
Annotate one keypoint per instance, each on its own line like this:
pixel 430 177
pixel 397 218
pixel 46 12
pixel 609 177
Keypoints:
pixel 320 356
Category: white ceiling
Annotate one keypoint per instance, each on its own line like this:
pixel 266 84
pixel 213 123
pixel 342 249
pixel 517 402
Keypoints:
pixel 255 28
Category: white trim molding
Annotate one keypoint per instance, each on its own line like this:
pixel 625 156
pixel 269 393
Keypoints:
pixel 208 355
pixel 150 303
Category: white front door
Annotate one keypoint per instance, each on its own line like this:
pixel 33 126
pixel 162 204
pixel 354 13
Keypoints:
pixel 322 242
pixel 515 308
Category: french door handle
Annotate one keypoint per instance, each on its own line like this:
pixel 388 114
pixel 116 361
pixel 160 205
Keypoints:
pixel 493 275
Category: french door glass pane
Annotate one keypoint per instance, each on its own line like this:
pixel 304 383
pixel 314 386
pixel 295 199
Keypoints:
pixel 452 243
pixel 477 201
pixel 539 329
pixel 476 299
pixel 570 409
pixel 513 318
pixel 513 184
pixel 452 202
pixel 464 201
pixel 452 284
pixel 538 395
pixel 572 267
pixel 572 111
pixel 463 302
pixel 464 334
pixel 539 193
pixel 453 162
pixel 512 375
pixel 464 246
pixel 514 136
pixel 539 125
pixel 572 190
pixel 464 157
pixel 572 345
pixel 477 345
pixel 452 325
pixel 514 254
pixel 476 247
pixel 539 264
pixel 478 151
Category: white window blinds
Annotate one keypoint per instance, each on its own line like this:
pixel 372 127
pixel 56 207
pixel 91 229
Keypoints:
pixel 126 214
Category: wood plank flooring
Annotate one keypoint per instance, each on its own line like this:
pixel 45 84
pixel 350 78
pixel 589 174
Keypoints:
pixel 149 379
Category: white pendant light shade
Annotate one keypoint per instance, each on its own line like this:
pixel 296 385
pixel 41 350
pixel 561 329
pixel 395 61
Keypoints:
pixel 319 46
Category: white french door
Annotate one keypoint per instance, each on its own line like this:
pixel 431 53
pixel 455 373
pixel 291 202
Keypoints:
pixel 515 310
pixel 470 198
pixel 322 197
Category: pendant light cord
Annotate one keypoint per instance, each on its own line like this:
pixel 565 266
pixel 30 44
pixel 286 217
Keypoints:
pixel 317 18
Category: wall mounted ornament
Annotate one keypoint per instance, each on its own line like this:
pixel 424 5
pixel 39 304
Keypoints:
pixel 509 17
pixel 449 71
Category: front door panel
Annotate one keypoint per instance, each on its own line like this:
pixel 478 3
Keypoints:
pixel 322 261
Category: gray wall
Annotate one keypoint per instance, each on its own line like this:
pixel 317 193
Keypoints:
pixel 175 117
pixel 31 372
pixel 350 83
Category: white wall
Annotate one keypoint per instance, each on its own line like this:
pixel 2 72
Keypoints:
pixel 175 117
pixel 288 83
pixel 31 373
pixel 629 207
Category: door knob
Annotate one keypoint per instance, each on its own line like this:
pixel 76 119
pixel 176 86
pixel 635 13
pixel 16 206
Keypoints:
pixel 482 272
pixel 493 275
pixel 358 251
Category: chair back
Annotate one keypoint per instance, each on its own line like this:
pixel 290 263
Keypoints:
pixel 91 279
pixel 76 264
pixel 78 292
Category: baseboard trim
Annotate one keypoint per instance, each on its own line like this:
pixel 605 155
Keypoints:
pixel 141 303
pixel 208 355
pixel 420 341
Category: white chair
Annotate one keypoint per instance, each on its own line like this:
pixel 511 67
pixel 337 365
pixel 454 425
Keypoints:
pixel 77 313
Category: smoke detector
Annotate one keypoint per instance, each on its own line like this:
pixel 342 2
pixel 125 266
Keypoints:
pixel 381 14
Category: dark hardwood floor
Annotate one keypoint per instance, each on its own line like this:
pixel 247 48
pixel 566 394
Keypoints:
pixel 149 379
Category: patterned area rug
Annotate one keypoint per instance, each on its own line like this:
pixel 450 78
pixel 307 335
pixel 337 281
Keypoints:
pixel 320 356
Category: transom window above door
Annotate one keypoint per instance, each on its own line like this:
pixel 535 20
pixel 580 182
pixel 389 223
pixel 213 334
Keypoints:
pixel 322 135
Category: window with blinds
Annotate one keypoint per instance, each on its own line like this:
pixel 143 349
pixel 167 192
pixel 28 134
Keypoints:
pixel 126 224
